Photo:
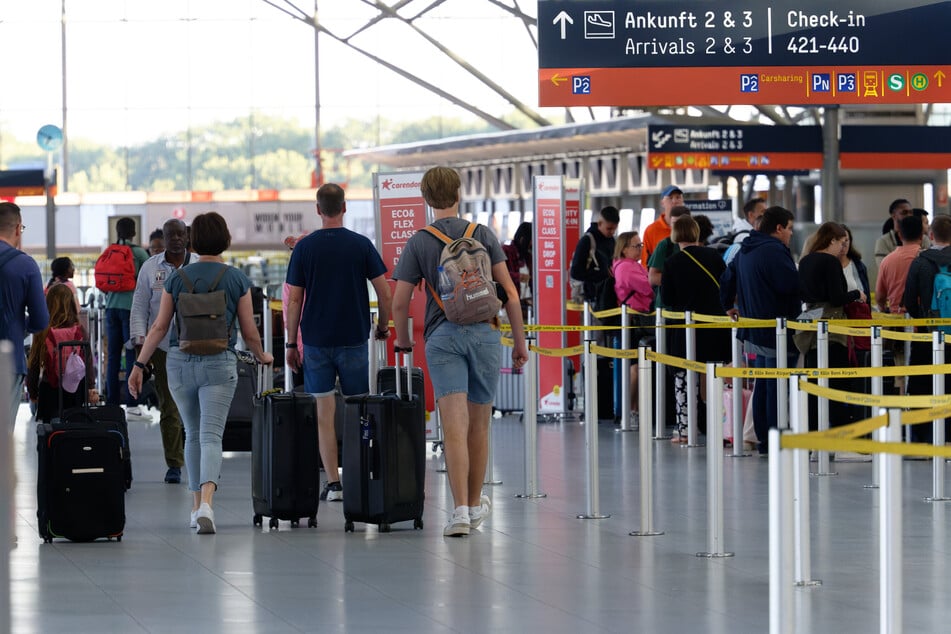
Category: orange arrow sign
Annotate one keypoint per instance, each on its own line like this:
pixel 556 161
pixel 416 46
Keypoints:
pixel 555 79
pixel 939 77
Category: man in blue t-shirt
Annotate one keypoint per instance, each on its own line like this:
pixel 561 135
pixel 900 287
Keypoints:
pixel 328 297
pixel 22 302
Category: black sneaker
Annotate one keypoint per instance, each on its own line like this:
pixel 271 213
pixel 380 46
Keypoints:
pixel 332 492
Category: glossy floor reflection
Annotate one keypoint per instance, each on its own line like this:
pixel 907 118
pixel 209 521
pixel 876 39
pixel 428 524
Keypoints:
pixel 532 567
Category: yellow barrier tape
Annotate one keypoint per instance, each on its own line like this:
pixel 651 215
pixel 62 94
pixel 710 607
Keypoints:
pixel 824 443
pixel 802 325
pixel 926 415
pixel 855 430
pixel 557 352
pixel 845 330
pixel 888 400
pixel 613 352
pixel 677 362
pixel 898 335
pixel 831 373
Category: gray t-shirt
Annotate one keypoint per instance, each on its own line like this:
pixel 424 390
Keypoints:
pixel 421 257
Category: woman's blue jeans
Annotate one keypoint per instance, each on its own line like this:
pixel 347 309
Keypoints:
pixel 202 386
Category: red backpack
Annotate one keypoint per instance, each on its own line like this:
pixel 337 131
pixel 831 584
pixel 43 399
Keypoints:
pixel 54 367
pixel 115 269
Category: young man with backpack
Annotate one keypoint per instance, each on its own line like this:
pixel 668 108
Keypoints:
pixel 591 262
pixel 464 360
pixel 112 271
pixel 928 294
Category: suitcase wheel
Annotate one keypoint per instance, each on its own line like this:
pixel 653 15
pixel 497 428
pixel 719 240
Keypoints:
pixel 47 540
pixel 295 523
pixel 312 521
pixel 384 528
pixel 418 523
pixel 347 527
pixel 273 523
pixel 258 520
pixel 119 538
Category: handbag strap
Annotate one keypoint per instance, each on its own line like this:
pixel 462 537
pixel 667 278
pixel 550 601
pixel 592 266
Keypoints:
pixel 715 280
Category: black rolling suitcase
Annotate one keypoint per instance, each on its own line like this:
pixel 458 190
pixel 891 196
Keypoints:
pixel 284 461
pixel 384 449
pixel 83 471
pixel 237 434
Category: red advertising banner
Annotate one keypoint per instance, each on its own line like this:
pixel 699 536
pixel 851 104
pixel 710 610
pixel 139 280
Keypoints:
pixel 401 212
pixel 550 283
pixel 574 194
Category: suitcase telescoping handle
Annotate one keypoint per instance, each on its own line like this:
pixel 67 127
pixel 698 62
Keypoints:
pixel 408 363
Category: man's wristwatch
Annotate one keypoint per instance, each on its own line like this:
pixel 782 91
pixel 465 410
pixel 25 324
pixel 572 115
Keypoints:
pixel 290 346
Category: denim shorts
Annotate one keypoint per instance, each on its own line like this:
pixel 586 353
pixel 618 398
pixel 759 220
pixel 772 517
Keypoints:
pixel 322 366
pixel 464 359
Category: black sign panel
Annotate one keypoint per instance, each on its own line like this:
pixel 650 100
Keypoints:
pixel 718 33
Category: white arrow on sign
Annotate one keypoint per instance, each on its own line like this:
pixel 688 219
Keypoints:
pixel 565 20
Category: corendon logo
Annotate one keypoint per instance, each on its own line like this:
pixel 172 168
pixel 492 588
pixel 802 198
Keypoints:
pixel 390 184
pixel 547 187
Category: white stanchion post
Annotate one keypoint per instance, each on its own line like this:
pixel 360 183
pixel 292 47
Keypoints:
pixel 7 471
pixel 780 537
pixel 646 447
pixel 714 465
pixel 937 426
pixel 591 423
pixel 691 378
pixel 530 421
pixel 799 419
pixel 737 404
pixel 782 385
pixel 625 404
pixel 878 386
pixel 660 378
pixel 489 477
pixel 890 533
pixel 823 467
pixel 907 362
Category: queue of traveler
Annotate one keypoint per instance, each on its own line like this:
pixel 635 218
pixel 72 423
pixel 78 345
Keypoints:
pixel 752 273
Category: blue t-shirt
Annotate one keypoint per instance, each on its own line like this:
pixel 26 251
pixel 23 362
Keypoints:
pixel 333 266
pixel 21 287
pixel 202 275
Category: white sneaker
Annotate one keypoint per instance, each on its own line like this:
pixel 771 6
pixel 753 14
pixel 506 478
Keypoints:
pixel 194 520
pixel 136 413
pixel 458 524
pixel 205 518
pixel 479 515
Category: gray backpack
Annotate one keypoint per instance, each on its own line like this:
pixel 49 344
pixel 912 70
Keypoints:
pixel 467 264
pixel 203 326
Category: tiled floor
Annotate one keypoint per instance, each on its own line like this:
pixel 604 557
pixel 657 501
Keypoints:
pixel 533 567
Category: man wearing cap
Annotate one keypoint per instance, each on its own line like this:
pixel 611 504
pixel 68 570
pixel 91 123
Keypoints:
pixel 660 228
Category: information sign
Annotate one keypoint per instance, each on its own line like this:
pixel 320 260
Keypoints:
pixel 655 52
pixel 895 147
pixel 401 212
pixel 734 147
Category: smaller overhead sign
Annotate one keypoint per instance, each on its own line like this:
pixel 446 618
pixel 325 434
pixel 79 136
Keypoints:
pixel 895 147
pixel 734 147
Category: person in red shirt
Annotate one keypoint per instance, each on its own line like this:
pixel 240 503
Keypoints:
pixel 671 197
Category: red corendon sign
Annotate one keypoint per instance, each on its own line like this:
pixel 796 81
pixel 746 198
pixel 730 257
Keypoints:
pixel 550 282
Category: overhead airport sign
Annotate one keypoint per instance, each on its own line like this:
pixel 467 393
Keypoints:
pixel 656 52
pixel 750 148
pixel 895 147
